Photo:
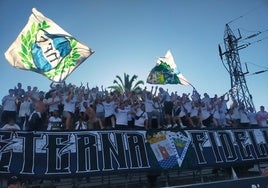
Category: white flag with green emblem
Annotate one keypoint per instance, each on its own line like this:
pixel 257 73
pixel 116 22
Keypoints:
pixel 166 72
pixel 44 47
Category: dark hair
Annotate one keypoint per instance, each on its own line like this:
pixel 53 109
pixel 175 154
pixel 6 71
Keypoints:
pixel 13 180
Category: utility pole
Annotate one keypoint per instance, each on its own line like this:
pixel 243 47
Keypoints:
pixel 239 90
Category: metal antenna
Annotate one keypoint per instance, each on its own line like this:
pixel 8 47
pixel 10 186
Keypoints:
pixel 241 94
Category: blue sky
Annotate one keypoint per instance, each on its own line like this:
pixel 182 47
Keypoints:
pixel 128 36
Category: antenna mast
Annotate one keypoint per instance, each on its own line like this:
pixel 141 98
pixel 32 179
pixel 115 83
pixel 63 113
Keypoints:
pixel 239 89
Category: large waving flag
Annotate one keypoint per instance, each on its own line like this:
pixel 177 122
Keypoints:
pixel 166 72
pixel 44 47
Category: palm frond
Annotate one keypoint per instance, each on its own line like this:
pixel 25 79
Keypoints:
pixel 127 84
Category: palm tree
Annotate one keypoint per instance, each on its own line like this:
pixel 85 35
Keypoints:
pixel 127 84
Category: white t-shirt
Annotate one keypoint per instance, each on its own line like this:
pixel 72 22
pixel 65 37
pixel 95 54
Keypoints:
pixel 188 106
pixel 142 117
pixel 243 117
pixel 25 108
pixel 108 108
pixel 194 112
pixel 80 125
pixel 182 112
pixel 262 117
pixel 53 120
pixel 206 100
pixel 70 105
pixel 9 103
pixel 54 106
pixel 204 113
pixel 121 116
pixel 8 127
pixel 99 108
pixel 216 113
pixel 149 105
pixel 236 113
pixel 252 118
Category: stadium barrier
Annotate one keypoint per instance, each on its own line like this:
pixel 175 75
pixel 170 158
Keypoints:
pixel 89 153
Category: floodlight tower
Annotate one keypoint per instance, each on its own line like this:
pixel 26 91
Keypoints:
pixel 239 90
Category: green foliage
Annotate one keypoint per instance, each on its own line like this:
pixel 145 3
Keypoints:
pixel 127 84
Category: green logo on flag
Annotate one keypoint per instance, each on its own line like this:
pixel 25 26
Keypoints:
pixel 27 56
pixel 44 47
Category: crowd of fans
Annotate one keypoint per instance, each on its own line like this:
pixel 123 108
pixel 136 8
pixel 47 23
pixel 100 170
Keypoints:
pixel 69 107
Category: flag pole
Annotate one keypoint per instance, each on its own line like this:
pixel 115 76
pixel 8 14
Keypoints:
pixel 188 83
pixel 194 90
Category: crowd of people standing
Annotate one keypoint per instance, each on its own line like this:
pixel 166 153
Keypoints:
pixel 69 107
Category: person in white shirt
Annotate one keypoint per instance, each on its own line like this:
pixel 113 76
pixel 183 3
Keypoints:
pixel 53 102
pixel 99 108
pixel 206 99
pixel 262 117
pixel 34 93
pixel 55 121
pixel 230 119
pixel 194 114
pixel 11 126
pixel 213 110
pixel 185 112
pixel 244 120
pixel 24 112
pixel 252 116
pixel 81 123
pixel 222 110
pixel 180 115
pixel 109 106
pixel 141 118
pixel 165 100
pixel 69 103
pixel 9 103
pixel 205 116
pixel 121 116
pixel 236 114
pixel 151 108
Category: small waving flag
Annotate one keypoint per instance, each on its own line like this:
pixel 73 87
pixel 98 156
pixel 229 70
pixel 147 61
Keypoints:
pixel 44 47
pixel 166 72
